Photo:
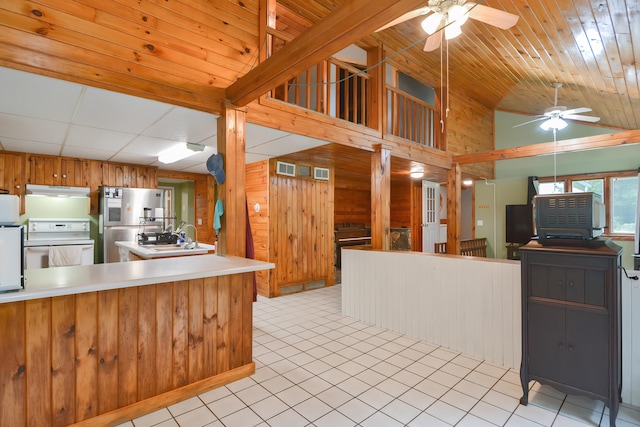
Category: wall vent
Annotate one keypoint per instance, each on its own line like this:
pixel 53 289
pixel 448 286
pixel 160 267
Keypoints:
pixel 288 169
pixel 321 173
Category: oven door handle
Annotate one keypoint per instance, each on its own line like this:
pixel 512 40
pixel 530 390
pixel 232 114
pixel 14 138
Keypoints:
pixel 46 247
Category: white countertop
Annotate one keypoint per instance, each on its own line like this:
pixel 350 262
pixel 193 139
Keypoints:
pixel 159 251
pixel 51 282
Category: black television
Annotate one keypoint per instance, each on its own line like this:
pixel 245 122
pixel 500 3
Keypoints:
pixel 519 223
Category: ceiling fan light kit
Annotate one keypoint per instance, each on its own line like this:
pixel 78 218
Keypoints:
pixel 556 117
pixel 431 23
pixel 450 15
pixel 554 123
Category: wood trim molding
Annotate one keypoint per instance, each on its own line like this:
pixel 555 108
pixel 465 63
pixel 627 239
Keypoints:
pixel 169 398
pixel 564 146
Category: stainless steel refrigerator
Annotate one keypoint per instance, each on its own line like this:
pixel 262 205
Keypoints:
pixel 125 213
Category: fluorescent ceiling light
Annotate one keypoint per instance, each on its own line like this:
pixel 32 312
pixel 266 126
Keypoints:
pixel 553 123
pixel 179 152
pixel 417 174
pixel 467 182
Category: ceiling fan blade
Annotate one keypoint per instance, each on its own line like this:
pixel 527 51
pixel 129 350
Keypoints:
pixel 497 18
pixel 578 110
pixel 531 121
pixel 591 119
pixel 406 17
pixel 433 42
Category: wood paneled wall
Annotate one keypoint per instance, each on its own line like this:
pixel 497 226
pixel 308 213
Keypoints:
pixel 470 130
pixel 400 203
pixel 257 186
pixel 352 206
pixel 70 358
pixel 301 230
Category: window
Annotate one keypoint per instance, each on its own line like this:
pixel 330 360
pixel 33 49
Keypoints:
pixel 619 191
pixel 551 187
pixel 588 186
pixel 624 197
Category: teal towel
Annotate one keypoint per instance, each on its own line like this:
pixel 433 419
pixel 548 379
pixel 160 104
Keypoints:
pixel 217 213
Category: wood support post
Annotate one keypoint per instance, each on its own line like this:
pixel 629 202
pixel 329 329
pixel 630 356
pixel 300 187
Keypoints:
pixel 381 198
pixel 454 191
pixel 232 193
pixel 377 90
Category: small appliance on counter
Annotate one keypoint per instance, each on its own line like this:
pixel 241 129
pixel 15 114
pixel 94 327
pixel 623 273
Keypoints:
pixel 54 242
pixel 157 238
pixel 11 244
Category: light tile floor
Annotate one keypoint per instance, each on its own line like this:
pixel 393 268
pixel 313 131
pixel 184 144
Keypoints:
pixel 315 367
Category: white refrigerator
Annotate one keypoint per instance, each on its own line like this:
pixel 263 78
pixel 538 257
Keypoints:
pixel 11 257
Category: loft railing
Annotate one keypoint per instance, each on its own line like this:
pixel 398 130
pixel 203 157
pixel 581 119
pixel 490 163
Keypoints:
pixel 343 91
pixel 411 118
pixel 471 247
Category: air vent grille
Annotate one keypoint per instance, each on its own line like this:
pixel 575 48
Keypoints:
pixel 321 173
pixel 288 169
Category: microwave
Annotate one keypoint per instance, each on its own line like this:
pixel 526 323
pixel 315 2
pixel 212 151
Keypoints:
pixel 11 257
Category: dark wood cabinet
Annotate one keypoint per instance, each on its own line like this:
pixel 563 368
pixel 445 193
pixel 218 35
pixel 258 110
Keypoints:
pixel 571 320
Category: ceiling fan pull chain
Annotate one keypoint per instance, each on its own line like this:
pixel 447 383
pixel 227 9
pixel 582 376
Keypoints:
pixel 447 110
pixel 555 179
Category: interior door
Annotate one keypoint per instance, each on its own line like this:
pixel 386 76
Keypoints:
pixel 430 215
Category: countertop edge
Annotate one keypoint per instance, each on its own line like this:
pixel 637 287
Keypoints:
pixel 61 281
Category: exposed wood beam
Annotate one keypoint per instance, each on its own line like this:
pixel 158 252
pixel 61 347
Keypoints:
pixel 565 146
pixel 348 24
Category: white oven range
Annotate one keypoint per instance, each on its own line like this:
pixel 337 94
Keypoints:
pixel 53 242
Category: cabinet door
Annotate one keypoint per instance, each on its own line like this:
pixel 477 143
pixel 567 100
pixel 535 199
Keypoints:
pixel 574 285
pixel 546 339
pixel 44 170
pixel 75 172
pixel 12 175
pixel 587 350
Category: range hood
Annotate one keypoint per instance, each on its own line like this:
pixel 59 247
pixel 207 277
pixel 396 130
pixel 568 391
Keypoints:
pixel 57 191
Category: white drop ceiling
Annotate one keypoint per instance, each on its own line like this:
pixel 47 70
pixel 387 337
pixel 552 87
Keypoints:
pixel 42 115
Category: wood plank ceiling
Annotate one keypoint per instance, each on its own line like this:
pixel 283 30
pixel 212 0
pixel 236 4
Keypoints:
pixel 591 47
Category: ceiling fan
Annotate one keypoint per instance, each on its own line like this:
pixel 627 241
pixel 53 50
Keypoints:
pixel 555 117
pixel 451 15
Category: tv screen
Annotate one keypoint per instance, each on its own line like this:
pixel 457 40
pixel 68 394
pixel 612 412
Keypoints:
pixel 519 222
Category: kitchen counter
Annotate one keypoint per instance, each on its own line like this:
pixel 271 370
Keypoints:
pixel 160 251
pixel 51 282
pixel 102 344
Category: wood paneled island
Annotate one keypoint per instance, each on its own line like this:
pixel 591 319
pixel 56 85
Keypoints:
pixel 101 344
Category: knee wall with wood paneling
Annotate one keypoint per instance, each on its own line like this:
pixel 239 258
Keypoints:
pixel 70 358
